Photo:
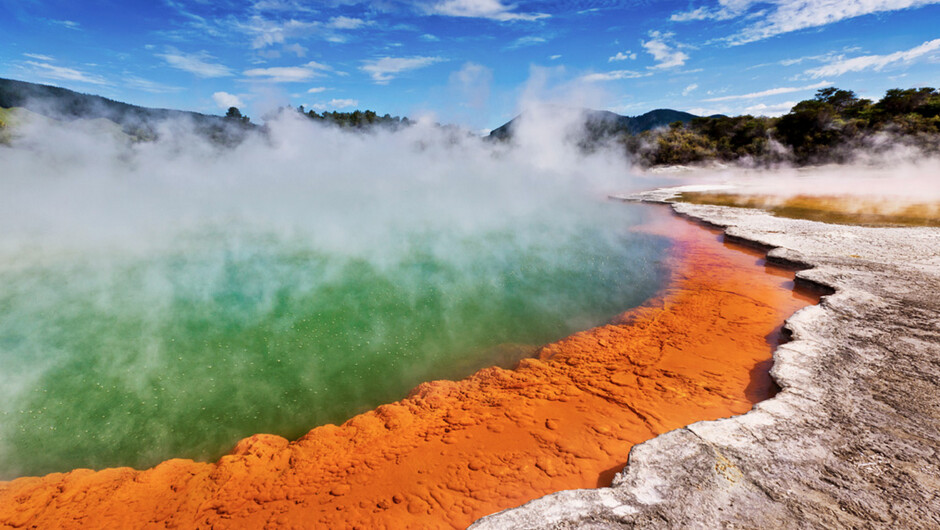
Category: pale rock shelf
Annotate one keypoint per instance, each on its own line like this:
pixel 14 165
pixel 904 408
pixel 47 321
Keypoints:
pixel 853 438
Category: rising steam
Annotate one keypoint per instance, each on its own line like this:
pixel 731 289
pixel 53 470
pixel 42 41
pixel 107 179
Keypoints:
pixel 166 298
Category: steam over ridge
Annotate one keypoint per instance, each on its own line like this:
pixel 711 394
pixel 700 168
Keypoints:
pixel 82 179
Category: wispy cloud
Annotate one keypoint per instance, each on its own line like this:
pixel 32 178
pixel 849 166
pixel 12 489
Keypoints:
pixel 225 100
pixel 296 49
pixel 689 89
pixel 724 10
pixel 70 24
pixel 528 40
pixel 197 64
pixel 770 92
pixel 39 57
pixel 490 9
pixel 793 15
pixel 346 23
pixel 664 51
pixel 343 103
pixel 146 85
pixel 62 73
pixel 266 32
pixel 385 69
pixel 767 18
pixel 613 76
pixel 289 74
pixel 822 58
pixel 280 5
pixel 316 90
pixel 873 62
pixel 196 23
pixel 336 104
pixel 777 109
pixel 622 56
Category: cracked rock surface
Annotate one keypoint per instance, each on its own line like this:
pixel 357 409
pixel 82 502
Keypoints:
pixel 853 438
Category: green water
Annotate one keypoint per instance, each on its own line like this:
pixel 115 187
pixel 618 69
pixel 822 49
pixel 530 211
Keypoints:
pixel 119 358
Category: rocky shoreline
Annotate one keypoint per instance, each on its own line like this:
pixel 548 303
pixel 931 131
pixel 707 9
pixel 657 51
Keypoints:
pixel 853 438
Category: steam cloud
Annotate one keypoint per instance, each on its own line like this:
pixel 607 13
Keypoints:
pixel 111 250
pixel 69 185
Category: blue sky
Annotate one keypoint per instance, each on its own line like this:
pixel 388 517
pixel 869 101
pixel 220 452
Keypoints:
pixel 471 61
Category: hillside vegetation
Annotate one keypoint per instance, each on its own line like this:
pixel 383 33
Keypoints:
pixel 830 128
pixel 140 123
pixel 602 124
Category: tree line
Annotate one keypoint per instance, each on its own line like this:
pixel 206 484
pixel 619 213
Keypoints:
pixel 829 128
pixel 356 119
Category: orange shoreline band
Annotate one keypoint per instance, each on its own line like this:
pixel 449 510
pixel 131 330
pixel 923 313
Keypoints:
pixel 453 452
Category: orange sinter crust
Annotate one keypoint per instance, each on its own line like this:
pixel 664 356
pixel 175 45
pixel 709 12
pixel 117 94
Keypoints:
pixel 455 451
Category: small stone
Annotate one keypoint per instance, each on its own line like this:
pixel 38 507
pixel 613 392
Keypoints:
pixel 339 491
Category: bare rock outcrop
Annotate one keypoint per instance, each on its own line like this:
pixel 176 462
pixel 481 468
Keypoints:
pixel 853 438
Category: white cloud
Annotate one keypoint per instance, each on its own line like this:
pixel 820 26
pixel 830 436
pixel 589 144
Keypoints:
pixel 490 9
pixel 554 57
pixel 51 71
pixel 726 9
pixel 621 56
pixel 385 69
pixel 225 100
pixel 874 62
pixel 195 63
pixel 828 57
pixel 708 111
pixel 613 76
pixel 689 89
pixel 316 90
pixel 147 85
pixel 336 104
pixel 429 38
pixel 528 40
pixel 701 13
pixel 289 74
pixel 771 92
pixel 343 103
pixel 774 17
pixel 279 5
pixel 39 57
pixel 777 109
pixel 793 15
pixel 346 22
pixel 296 49
pixel 70 24
pixel 266 32
pixel 666 54
pixel 760 109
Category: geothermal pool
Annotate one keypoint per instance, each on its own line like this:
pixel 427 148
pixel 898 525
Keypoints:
pixel 116 356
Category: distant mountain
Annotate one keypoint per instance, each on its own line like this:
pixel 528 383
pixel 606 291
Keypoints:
pixel 600 123
pixel 61 103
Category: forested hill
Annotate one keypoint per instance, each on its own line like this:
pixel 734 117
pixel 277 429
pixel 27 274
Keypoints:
pixel 62 103
pixel 836 126
pixel 601 123
pixel 139 122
